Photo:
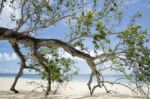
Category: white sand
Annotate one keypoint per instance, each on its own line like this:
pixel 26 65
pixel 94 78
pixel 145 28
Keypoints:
pixel 74 90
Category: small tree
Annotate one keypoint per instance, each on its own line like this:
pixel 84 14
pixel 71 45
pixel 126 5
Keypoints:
pixel 58 68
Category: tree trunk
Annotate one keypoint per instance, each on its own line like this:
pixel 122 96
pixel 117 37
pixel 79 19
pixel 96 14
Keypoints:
pixel 16 49
pixel 49 82
pixel 34 43
pixel 16 79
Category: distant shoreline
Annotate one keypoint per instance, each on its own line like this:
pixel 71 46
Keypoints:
pixel 79 77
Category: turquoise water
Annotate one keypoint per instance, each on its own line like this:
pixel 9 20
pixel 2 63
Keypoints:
pixel 79 77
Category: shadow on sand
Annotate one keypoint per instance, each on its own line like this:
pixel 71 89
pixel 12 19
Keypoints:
pixel 39 95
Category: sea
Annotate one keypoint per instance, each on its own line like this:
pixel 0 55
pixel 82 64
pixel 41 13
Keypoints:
pixel 78 77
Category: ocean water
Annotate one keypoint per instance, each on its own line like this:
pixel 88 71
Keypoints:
pixel 79 77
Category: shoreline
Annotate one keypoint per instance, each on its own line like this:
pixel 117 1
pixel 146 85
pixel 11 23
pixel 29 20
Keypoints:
pixel 73 90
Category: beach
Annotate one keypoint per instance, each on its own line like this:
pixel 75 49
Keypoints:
pixel 73 90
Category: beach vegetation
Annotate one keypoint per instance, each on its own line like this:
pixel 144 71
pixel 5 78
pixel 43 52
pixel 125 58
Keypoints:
pixel 99 27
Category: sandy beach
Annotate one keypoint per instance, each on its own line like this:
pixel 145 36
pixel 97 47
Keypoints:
pixel 73 90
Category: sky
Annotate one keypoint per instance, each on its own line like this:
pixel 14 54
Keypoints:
pixel 9 60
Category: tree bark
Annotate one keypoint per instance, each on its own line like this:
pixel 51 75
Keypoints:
pixel 22 65
pixel 16 80
pixel 49 82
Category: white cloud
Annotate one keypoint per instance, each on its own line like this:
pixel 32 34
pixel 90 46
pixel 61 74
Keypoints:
pixel 8 57
pixel 8 70
pixel 14 56
pixel 5 16
pixel 148 6
pixel 93 54
pixel 128 2
pixel 65 54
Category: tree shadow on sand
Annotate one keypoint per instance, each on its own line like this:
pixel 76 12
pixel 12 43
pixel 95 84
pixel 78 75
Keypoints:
pixel 39 95
pixel 108 96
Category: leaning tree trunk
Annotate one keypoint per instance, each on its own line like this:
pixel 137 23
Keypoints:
pixel 35 43
pixel 16 79
pixel 22 65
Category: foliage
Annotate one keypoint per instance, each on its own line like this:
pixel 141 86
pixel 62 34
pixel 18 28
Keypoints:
pixel 61 68
pixel 91 25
